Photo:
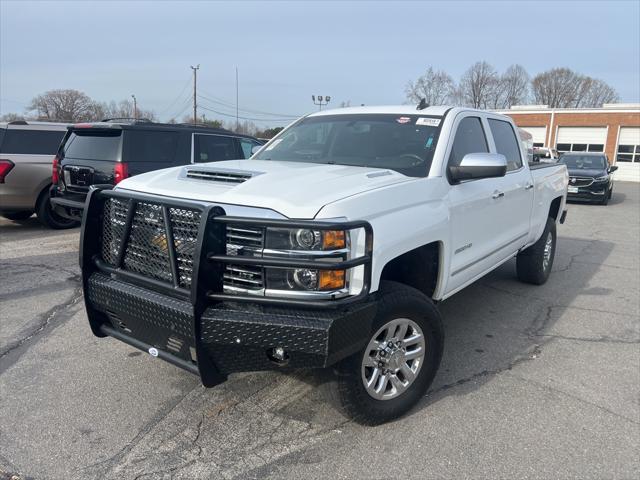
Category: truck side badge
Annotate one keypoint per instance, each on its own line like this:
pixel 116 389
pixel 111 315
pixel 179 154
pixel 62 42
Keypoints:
pixel 153 352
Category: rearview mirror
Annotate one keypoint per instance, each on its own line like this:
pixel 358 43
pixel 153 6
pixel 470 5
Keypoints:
pixel 255 149
pixel 479 165
pixel 613 168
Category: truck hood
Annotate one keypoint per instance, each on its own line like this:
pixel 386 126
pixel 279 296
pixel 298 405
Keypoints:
pixel 296 190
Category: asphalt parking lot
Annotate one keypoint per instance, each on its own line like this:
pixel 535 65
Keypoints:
pixel 536 382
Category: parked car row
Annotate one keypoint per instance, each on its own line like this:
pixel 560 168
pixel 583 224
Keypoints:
pixel 48 168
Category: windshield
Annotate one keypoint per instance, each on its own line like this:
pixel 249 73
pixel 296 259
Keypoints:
pixel 584 162
pixel 404 143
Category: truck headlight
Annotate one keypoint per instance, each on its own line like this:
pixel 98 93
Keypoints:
pixel 305 279
pixel 604 178
pixel 305 239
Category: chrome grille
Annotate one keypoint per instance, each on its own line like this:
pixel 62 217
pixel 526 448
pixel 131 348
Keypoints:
pixel 580 181
pixel 243 241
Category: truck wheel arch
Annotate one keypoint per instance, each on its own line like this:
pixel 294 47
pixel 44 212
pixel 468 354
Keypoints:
pixel 554 208
pixel 420 268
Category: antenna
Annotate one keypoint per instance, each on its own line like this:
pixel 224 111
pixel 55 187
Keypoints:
pixel 422 105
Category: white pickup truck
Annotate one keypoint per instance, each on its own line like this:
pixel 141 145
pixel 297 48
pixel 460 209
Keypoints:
pixel 330 247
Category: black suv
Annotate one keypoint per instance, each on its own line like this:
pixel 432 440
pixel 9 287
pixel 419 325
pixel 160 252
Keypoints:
pixel 109 151
pixel 590 176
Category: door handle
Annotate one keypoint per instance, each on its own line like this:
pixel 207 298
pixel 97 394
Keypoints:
pixel 528 186
pixel 497 194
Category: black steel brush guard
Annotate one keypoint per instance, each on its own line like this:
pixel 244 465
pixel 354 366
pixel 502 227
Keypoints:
pixel 206 293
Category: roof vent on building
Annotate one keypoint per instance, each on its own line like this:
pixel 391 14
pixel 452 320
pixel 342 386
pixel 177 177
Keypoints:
pixel 219 176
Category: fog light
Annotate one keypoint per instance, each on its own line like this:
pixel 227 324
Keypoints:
pixel 331 279
pixel 278 355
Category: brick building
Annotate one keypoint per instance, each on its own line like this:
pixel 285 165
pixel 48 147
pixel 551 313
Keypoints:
pixel 613 129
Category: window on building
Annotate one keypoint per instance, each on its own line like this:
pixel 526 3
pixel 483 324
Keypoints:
pixel 628 153
pixel 579 147
pixel 538 144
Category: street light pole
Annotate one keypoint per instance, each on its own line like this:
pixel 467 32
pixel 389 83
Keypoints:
pixel 195 104
pixel 326 99
pixel 135 107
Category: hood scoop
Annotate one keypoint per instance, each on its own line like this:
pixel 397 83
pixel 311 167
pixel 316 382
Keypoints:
pixel 220 176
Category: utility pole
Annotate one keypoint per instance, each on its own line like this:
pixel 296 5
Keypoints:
pixel 135 107
pixel 326 99
pixel 195 104
pixel 237 122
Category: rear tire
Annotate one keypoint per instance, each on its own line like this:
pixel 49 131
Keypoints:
pixel 534 264
pixel 17 216
pixel 399 306
pixel 48 217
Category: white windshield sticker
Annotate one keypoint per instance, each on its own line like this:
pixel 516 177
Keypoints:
pixel 273 144
pixel 430 122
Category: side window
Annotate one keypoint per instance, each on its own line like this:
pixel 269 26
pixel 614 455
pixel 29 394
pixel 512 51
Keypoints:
pixel 469 138
pixel 506 143
pixel 32 142
pixel 213 148
pixel 147 146
pixel 246 146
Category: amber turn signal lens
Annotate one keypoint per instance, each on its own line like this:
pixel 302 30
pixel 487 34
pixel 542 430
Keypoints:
pixel 333 239
pixel 331 280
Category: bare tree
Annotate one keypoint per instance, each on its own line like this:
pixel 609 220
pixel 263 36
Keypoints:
pixel 599 92
pixel 124 109
pixel 514 86
pixel 478 85
pixel 564 88
pixel 436 87
pixel 65 106
pixel 12 117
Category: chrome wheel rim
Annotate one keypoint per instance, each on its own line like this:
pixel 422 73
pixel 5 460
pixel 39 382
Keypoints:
pixel 393 359
pixel 548 249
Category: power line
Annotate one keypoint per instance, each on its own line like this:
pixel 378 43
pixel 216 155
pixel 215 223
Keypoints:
pixel 284 120
pixel 267 116
pixel 172 104
pixel 223 102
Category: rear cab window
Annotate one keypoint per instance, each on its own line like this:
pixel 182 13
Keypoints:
pixel 214 148
pixel 506 143
pixel 31 142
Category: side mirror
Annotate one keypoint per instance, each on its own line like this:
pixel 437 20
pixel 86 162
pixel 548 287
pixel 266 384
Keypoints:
pixel 613 168
pixel 479 165
pixel 255 149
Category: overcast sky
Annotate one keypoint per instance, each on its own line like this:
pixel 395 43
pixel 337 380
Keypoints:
pixel 363 52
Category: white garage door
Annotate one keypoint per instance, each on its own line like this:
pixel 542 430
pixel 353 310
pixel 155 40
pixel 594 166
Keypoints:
pixel 628 145
pixel 581 139
pixel 539 135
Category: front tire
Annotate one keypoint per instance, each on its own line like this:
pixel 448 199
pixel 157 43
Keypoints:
pixel 533 265
pixel 393 372
pixel 48 217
